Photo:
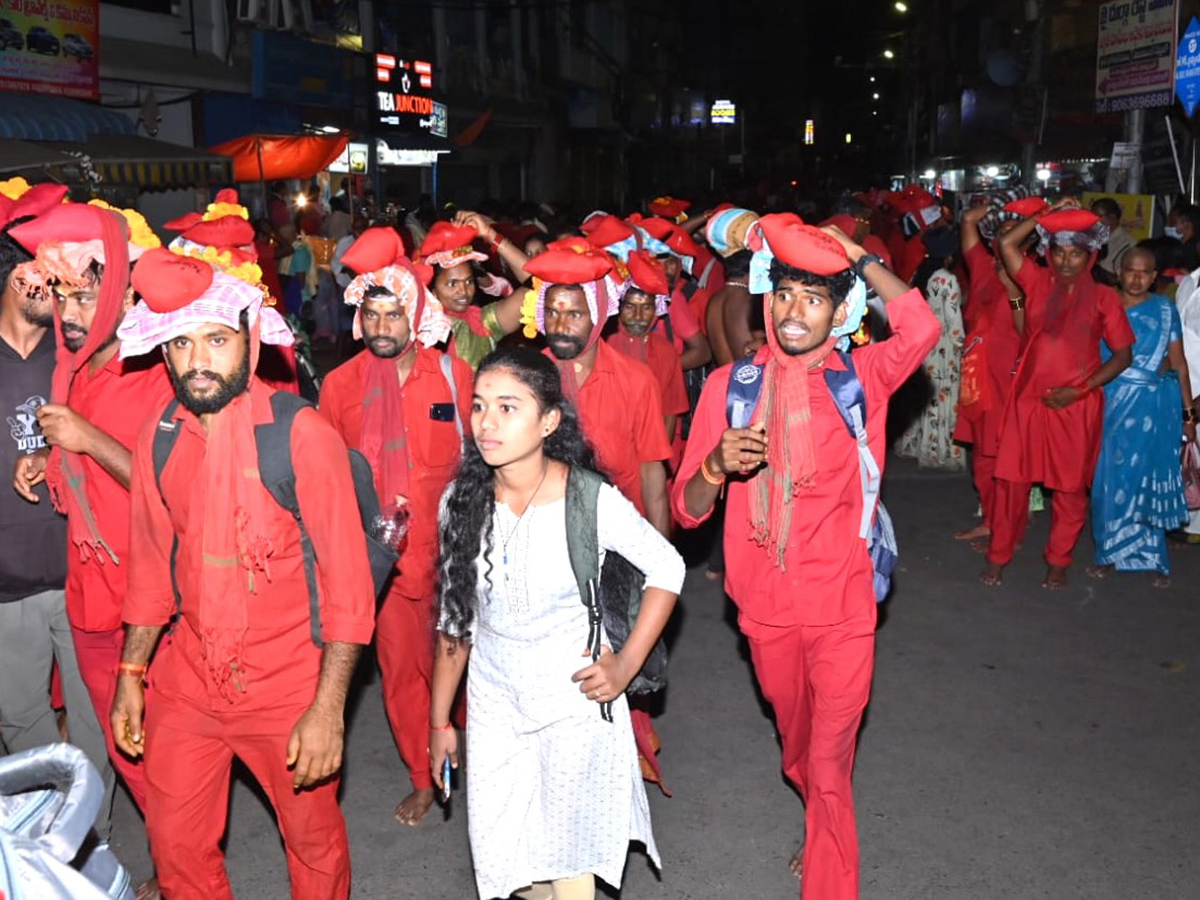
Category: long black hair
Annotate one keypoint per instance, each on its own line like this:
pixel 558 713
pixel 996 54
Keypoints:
pixel 466 521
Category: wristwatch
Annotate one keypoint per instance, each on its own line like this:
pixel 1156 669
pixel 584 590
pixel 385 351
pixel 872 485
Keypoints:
pixel 865 260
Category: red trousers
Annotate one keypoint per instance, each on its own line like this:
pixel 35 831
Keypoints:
pixel 818 679
pixel 1068 513
pixel 983 472
pixel 98 654
pixel 404 641
pixel 189 753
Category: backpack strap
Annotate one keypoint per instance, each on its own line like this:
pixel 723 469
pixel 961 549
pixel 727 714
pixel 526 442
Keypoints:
pixel 275 467
pixel 583 549
pixel 745 387
pixel 446 364
pixel 689 289
pixel 165 436
pixel 851 403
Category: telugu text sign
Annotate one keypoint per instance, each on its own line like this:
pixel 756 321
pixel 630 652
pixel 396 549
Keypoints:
pixel 1187 68
pixel 50 47
pixel 1135 55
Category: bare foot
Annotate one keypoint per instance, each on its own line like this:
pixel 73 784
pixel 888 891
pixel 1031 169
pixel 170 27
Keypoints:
pixel 1056 578
pixel 796 863
pixel 1098 571
pixel 979 531
pixel 414 807
pixel 148 890
pixel 1159 580
pixel 981 544
pixel 992 575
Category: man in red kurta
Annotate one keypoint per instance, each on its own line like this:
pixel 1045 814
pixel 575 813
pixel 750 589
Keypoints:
pixel 796 564
pixel 644 299
pixel 98 403
pixel 405 405
pixel 1051 427
pixel 241 674
pixel 990 349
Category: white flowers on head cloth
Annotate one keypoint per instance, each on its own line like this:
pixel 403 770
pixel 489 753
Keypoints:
pixel 402 284
pixel 142 329
pixel 591 290
pixel 856 300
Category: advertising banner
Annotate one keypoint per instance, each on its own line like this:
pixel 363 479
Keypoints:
pixel 50 47
pixel 1135 55
pixel 1137 211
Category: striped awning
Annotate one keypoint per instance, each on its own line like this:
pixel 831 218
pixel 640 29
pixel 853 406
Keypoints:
pixel 141 162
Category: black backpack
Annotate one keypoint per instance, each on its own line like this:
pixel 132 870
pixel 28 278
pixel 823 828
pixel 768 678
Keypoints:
pixel 274 443
pixel 612 595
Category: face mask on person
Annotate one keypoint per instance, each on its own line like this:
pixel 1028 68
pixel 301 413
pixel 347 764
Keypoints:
pixel 1172 232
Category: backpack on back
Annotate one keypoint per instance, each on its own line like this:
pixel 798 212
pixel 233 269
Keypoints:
pixel 613 595
pixel 741 399
pixel 274 444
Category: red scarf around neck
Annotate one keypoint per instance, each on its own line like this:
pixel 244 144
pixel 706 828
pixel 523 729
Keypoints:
pixel 384 437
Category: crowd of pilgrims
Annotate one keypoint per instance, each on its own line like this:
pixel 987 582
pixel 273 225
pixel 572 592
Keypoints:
pixel 544 400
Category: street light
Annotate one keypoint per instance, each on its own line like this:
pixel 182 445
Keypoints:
pixel 872 79
pixel 875 96
pixel 888 54
pixel 901 6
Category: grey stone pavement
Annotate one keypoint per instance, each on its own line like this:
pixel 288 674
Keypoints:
pixel 1019 744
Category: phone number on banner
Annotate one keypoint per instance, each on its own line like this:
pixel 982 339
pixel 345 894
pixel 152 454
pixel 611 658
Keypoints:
pixel 1133 101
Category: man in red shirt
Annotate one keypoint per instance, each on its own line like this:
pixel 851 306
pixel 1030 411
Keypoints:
pixel 403 403
pixel 240 675
pixel 617 398
pixel 644 300
pixel 990 349
pixel 796 563
pixel 1051 427
pixel 98 402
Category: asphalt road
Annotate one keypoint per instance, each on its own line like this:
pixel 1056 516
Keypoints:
pixel 1019 744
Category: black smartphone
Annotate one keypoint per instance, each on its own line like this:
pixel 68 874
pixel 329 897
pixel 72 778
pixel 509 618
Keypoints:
pixel 441 412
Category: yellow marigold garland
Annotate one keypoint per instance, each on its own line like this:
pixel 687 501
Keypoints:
pixel 220 210
pixel 14 188
pixel 529 309
pixel 140 232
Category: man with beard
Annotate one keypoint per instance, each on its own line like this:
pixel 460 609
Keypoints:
pixel 403 403
pixel 617 398
pixel 98 402
pixel 688 301
pixel 798 513
pixel 34 632
pixel 1051 427
pixel 242 674
pixel 644 300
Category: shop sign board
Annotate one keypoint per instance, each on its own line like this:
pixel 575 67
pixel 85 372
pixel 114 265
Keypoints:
pixel 50 47
pixel 1135 54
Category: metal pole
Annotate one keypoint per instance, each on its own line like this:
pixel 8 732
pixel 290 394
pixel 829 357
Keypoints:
pixel 1135 121
pixel 1174 153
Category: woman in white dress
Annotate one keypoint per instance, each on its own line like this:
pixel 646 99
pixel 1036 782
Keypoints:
pixel 555 791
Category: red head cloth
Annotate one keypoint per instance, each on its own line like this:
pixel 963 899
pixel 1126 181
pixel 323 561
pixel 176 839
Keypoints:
pixel 227 195
pixel 669 207
pixel 374 249
pixel 448 245
pixel 39 199
pixel 1027 206
pixel 591 220
pixel 567 262
pixel 58 236
pixel 1071 219
pixel 912 199
pixel 846 224
pixel 184 222
pixel 223 232
pixel 647 274
pixel 803 246
pixel 658 227
pixel 681 244
pixel 721 207
pixel 608 230
pixel 167 282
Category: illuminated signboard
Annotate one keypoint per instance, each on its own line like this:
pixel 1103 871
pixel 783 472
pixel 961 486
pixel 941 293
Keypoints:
pixel 50 48
pixel 404 96
pixel 810 132
pixel 723 112
pixel 352 160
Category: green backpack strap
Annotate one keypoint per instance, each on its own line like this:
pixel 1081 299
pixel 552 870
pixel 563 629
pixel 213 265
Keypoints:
pixel 583 549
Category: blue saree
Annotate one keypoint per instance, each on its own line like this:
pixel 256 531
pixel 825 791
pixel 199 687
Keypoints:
pixel 1137 492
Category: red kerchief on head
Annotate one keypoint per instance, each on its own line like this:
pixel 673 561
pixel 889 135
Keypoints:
pixel 803 246
pixel 564 263
pixel 608 230
pixel 1068 220
pixel 65 223
pixel 374 249
pixel 39 199
pixel 446 238
pixel 721 207
pixel 184 222
pixel 681 242
pixel 647 273
pixel 227 231
pixel 669 207
pixel 847 225
pixel 227 195
pixel 657 227
pixel 1027 206
pixel 167 281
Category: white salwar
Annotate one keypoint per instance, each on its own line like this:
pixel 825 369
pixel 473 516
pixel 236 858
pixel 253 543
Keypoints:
pixel 1187 299
pixel 553 790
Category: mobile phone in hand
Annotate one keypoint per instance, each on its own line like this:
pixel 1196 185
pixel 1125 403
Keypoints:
pixel 446 780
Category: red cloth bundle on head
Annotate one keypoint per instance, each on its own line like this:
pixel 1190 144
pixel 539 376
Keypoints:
pixel 1027 206
pixel 608 230
pixel 669 208
pixel 448 245
pixel 34 201
pixel 647 274
pixel 803 246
